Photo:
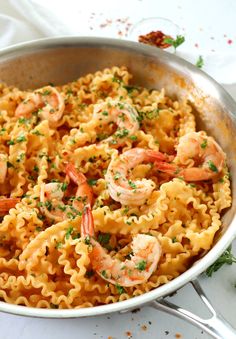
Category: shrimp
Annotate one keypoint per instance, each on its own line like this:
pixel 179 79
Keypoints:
pixel 146 255
pixel 47 100
pixel 123 114
pixel 122 189
pixel 207 155
pixel 52 194
pixel 6 204
pixel 3 167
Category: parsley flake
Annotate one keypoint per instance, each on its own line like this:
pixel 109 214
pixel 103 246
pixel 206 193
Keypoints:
pixel 212 166
pixel 68 232
pixel 141 266
pixel 120 289
pixel 175 42
pixel 226 258
pixel 199 62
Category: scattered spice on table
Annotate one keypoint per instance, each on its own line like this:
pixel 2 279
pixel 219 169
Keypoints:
pixel 178 335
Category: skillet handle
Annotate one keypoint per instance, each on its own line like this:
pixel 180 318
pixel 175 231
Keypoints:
pixel 216 326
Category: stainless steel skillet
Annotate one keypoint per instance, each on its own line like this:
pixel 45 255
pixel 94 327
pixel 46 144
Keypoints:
pixel 60 60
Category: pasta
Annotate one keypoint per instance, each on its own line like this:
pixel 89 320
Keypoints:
pixel 63 148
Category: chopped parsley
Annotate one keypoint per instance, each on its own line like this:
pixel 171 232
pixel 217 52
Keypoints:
pixel 104 238
pixel 11 142
pixel 36 169
pixel 46 92
pixel 132 184
pixel 175 42
pixel 92 182
pixel 117 176
pixel 48 205
pixel 199 62
pixel 23 121
pixel 122 133
pixel 87 240
pixel 174 240
pixel 20 138
pixel 120 289
pixel 226 258
pixel 69 231
pixel 105 113
pixel 133 137
pixel 58 245
pixel 212 166
pixel 130 89
pixel 104 274
pixel 36 132
pixel 152 114
pixel 141 266
pixel 64 186
pixel 204 144
pixel 115 79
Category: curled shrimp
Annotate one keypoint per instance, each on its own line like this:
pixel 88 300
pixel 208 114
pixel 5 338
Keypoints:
pixel 122 189
pixel 123 114
pixel 47 100
pixel 206 156
pixel 52 194
pixel 6 204
pixel 146 255
pixel 3 167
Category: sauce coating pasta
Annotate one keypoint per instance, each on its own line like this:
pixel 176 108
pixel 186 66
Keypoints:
pixel 108 156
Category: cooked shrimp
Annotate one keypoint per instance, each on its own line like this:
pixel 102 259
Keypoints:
pixel 52 194
pixel 3 167
pixel 47 100
pixel 122 189
pixel 123 115
pixel 6 204
pixel 146 254
pixel 207 155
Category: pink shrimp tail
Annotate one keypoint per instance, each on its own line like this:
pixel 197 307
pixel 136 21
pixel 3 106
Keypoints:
pixel 77 177
pixel 170 169
pixel 157 156
pixel 87 224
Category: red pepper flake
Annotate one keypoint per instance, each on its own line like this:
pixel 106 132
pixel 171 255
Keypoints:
pixel 230 41
pixel 110 337
pixel 120 33
pixel 155 38
pixel 196 45
pixel 129 334
pixel 178 335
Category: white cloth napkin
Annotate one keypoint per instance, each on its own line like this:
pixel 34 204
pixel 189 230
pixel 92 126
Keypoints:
pixel 207 32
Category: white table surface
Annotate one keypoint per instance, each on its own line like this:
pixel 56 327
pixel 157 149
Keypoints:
pixel 146 323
